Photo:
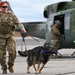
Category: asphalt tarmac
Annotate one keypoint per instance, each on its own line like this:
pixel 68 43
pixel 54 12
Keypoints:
pixel 59 66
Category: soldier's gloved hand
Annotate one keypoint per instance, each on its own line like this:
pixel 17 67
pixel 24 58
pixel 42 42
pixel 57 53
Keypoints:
pixel 23 33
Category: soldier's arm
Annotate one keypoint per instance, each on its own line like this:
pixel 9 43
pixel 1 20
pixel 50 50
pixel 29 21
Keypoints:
pixel 17 22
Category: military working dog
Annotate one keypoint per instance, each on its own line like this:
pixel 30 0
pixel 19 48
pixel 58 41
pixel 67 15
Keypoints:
pixel 38 55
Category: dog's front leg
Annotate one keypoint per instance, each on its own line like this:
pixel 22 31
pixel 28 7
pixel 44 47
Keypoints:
pixel 40 69
pixel 28 69
pixel 36 69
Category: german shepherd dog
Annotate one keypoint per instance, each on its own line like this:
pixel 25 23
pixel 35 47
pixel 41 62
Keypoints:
pixel 38 55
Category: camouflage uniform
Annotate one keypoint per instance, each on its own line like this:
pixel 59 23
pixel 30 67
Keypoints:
pixel 7 41
pixel 55 36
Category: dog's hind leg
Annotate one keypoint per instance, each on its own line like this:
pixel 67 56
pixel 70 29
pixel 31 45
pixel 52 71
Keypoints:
pixel 28 67
pixel 34 67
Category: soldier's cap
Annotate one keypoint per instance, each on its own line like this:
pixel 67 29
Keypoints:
pixel 58 22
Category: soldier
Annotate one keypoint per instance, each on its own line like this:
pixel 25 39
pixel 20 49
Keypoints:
pixel 7 42
pixel 55 35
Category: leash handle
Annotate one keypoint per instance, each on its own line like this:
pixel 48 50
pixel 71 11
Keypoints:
pixel 23 41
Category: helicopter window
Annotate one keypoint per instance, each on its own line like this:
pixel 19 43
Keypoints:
pixel 67 21
pixel 62 6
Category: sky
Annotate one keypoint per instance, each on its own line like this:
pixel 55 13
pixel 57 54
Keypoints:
pixel 30 10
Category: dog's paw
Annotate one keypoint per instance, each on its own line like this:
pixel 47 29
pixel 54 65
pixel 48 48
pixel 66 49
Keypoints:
pixel 28 72
pixel 37 72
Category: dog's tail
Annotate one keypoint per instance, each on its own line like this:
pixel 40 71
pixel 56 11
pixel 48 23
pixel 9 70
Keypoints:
pixel 23 53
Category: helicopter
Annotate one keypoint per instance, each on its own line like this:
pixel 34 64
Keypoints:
pixel 63 11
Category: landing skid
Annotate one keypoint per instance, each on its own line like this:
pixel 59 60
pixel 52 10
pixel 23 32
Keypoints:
pixel 61 56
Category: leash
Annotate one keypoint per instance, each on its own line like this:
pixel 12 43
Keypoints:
pixel 33 38
pixel 25 34
pixel 23 40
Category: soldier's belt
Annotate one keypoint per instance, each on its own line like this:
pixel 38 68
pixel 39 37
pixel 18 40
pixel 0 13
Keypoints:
pixel 5 31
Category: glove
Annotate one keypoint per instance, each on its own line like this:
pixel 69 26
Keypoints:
pixel 23 34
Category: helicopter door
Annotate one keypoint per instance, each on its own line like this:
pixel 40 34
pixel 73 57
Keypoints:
pixel 61 19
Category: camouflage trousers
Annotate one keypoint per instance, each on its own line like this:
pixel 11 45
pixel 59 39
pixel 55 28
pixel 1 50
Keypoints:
pixel 55 44
pixel 7 46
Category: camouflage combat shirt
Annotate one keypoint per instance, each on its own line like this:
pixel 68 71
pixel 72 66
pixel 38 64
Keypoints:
pixel 55 33
pixel 7 22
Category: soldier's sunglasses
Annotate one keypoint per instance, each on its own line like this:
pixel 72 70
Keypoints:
pixel 4 6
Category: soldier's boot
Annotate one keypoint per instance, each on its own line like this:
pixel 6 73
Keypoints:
pixel 4 68
pixel 4 72
pixel 11 70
